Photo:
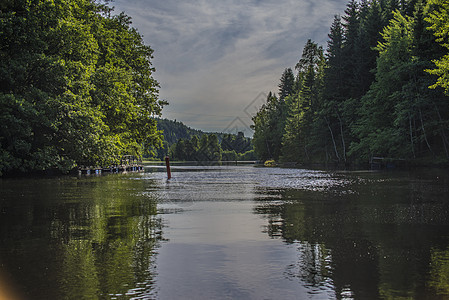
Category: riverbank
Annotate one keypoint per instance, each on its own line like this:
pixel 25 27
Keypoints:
pixel 375 163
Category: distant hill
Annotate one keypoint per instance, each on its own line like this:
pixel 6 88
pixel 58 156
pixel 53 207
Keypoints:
pixel 174 131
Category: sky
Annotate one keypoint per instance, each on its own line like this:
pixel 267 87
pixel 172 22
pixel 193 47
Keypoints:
pixel 216 60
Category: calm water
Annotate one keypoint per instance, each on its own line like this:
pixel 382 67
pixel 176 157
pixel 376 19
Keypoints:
pixel 229 232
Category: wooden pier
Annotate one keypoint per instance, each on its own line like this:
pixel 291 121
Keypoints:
pixel 128 163
pixel 112 169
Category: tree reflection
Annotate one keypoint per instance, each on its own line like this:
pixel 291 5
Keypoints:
pixel 94 238
pixel 313 266
pixel 79 277
pixel 376 242
pixel 439 271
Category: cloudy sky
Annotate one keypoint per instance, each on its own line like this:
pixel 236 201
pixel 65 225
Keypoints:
pixel 217 60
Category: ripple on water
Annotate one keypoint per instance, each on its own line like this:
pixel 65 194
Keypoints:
pixel 229 183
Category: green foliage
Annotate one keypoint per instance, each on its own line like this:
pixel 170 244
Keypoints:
pixel 247 156
pixel 438 18
pixel 76 86
pixel 175 130
pixel 335 91
pixel 400 116
pixel 184 143
pixel 369 95
pixel 376 129
pixel 229 155
pixel 299 135
pixel 237 143
pixel 172 132
pixel 287 85
pixel 269 124
pixel 209 148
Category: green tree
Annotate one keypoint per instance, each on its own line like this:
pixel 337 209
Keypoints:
pixel 214 148
pixel 438 18
pixel 269 128
pixel 237 143
pixel 204 153
pixel 300 133
pixel 369 95
pixel 335 92
pixel 269 123
pixel 376 130
pixel 286 86
pixel 76 84
pixel 351 25
pixel 371 25
pixel 334 81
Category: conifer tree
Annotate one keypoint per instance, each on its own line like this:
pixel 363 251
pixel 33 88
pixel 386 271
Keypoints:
pixel 351 27
pixel 266 142
pixel 335 88
pixel 369 36
pixel 370 95
pixel 286 87
pixel 298 139
pixel 335 91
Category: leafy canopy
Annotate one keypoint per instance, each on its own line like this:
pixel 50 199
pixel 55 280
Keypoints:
pixel 76 86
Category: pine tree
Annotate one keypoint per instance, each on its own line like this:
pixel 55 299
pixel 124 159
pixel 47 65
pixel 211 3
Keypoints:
pixel 335 92
pixel 335 88
pixel 286 87
pixel 266 141
pixel 369 36
pixel 351 27
pixel 298 141
pixel 398 113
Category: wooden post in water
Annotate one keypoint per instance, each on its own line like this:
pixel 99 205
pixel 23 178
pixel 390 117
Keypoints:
pixel 167 163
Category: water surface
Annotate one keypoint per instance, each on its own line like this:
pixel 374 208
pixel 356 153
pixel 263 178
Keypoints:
pixel 227 232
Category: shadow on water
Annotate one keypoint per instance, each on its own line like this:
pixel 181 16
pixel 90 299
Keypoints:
pixel 78 238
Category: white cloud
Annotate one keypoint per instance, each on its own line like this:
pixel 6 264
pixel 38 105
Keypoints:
pixel 214 57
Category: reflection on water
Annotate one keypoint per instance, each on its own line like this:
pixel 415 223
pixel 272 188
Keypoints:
pixel 376 241
pixel 439 270
pixel 78 238
pixel 227 232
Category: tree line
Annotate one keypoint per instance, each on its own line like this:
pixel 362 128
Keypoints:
pixel 183 143
pixel 172 132
pixel 213 147
pixel 378 89
pixel 76 86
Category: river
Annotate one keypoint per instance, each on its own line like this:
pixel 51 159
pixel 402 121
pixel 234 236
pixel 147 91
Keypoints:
pixel 227 232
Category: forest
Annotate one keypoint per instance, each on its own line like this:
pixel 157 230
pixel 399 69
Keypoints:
pixel 76 86
pixel 379 89
pixel 183 143
pixel 213 147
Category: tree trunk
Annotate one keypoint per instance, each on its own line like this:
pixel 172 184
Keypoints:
pixel 342 135
pixel 411 135
pixel 307 154
pixel 443 131
pixel 333 139
pixel 424 132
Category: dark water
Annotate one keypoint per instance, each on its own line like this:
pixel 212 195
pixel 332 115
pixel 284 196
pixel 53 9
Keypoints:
pixel 230 232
